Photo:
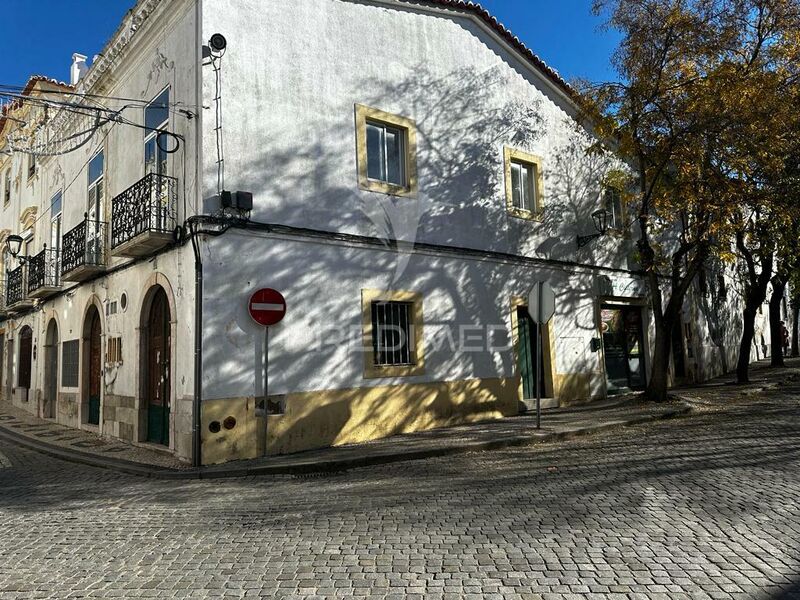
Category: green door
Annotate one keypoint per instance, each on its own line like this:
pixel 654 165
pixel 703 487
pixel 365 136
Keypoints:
pixel 95 373
pixel 158 371
pixel 526 351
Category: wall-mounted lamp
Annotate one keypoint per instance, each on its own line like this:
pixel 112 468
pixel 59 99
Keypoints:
pixel 600 218
pixel 14 245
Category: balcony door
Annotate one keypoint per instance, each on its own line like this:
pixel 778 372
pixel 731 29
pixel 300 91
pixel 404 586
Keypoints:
pixel 95 211
pixel 52 264
pixel 156 119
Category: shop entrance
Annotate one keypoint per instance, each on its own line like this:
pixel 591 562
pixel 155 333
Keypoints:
pixel 623 347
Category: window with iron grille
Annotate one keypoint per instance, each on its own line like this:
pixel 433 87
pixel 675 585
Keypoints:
pixel 392 333
pixel 70 353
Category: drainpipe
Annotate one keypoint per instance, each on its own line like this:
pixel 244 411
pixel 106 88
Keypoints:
pixel 198 262
pixel 198 348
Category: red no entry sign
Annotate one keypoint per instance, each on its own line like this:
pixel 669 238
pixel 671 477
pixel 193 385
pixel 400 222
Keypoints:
pixel 267 307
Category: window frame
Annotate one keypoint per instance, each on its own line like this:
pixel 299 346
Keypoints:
pixel 31 165
pixel 56 221
pixel 534 162
pixel 365 115
pixel 7 187
pixel 151 135
pixel 417 350
pixel 607 202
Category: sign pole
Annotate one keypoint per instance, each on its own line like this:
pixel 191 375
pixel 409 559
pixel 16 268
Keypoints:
pixel 539 358
pixel 266 386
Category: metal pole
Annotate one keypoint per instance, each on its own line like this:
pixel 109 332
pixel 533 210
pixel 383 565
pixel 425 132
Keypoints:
pixel 539 359
pixel 266 385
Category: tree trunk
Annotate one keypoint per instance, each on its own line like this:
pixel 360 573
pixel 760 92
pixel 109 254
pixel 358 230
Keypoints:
pixel 659 373
pixel 775 326
pixel 795 316
pixel 746 344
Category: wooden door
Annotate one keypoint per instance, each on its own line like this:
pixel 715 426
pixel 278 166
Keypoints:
pixel 25 356
pixel 95 369
pixel 158 370
pixel 51 371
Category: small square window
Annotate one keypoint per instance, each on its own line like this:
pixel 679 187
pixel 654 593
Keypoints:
pixel 392 333
pixel 392 327
pixel 612 203
pixel 386 155
pixel 523 176
pixel 386 152
pixel 523 184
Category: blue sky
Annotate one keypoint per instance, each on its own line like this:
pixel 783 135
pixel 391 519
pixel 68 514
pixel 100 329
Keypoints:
pixel 563 33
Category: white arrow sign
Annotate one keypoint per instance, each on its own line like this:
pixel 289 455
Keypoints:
pixel 542 302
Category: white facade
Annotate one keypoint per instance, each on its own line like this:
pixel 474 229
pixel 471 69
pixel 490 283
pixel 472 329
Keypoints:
pixel 153 50
pixel 288 87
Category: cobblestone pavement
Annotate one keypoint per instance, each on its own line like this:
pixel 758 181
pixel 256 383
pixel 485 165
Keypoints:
pixel 703 507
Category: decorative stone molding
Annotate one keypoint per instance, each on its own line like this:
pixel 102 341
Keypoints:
pixel 28 217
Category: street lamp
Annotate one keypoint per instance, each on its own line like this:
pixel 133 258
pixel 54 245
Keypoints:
pixel 600 218
pixel 14 245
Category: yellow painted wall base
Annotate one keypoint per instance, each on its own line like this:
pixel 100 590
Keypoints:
pixel 237 443
pixel 572 388
pixel 336 417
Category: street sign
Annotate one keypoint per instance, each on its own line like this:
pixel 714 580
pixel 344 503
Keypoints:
pixel 541 307
pixel 542 302
pixel 267 307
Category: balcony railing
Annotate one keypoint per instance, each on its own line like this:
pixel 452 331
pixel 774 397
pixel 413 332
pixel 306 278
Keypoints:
pixel 143 216
pixel 84 250
pixel 44 273
pixel 16 288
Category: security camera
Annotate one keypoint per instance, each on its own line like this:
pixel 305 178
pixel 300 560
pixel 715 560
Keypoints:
pixel 218 43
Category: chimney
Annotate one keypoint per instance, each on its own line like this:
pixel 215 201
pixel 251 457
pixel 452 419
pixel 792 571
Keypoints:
pixel 78 68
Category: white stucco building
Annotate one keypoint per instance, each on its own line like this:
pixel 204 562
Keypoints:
pixel 414 170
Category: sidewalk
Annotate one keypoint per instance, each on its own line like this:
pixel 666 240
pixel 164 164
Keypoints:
pixel 557 425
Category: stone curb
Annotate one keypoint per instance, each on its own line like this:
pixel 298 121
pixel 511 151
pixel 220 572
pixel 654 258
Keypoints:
pixel 336 464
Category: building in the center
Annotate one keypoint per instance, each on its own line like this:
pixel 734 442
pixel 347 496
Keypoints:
pixel 414 170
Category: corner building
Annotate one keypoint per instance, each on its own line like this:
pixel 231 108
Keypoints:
pixel 414 170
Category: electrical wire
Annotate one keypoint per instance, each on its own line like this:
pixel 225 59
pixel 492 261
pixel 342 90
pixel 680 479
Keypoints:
pixel 63 190
pixel 216 64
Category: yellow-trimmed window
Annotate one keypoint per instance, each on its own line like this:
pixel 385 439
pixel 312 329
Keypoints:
pixel 386 145
pixel 614 205
pixel 524 188
pixel 392 325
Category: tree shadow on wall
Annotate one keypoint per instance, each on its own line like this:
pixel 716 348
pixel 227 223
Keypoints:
pixel 462 128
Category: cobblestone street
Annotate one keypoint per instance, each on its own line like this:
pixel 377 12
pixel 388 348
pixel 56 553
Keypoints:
pixel 702 507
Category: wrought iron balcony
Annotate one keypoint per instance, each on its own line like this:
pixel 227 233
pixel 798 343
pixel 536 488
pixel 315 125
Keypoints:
pixel 144 216
pixel 17 288
pixel 84 250
pixel 44 273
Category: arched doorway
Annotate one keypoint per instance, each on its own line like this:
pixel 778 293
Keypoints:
pixel 92 365
pixel 157 368
pixel 25 360
pixel 49 407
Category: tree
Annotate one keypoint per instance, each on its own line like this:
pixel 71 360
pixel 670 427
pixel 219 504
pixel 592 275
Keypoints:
pixel 663 120
pixel 688 100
